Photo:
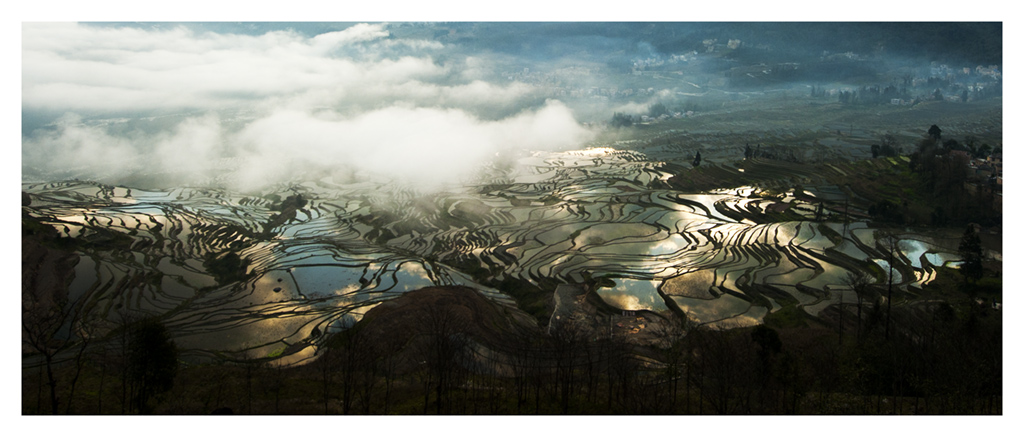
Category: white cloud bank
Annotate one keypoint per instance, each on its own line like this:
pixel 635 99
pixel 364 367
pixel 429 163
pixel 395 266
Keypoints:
pixel 426 146
pixel 356 97
pixel 68 66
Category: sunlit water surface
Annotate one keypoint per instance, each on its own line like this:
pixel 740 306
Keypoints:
pixel 567 216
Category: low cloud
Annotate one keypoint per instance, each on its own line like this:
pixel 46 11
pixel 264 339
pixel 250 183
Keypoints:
pixel 633 108
pixel 426 148
pixel 93 69
pixel 264 108
pixel 74 149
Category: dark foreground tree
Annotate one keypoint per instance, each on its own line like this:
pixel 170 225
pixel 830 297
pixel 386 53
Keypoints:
pixel 41 322
pixel 657 110
pixel 768 344
pixel 890 145
pixel 444 349
pixel 153 362
pixel 621 120
pixel 48 316
pixel 970 252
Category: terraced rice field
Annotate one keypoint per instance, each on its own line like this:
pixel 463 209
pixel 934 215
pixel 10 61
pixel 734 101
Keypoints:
pixel 565 217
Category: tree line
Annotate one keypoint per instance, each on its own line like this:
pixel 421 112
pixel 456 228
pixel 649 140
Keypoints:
pixel 863 358
pixel 941 178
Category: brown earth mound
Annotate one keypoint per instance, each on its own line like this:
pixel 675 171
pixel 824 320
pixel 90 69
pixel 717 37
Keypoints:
pixel 465 309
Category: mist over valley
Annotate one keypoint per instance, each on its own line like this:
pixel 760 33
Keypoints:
pixel 535 200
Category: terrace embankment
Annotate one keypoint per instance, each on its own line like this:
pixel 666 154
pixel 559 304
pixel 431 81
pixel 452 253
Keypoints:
pixel 862 184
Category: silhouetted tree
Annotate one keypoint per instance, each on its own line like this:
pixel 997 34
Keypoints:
pixel 359 365
pixel 890 145
pixel 443 350
pixel 47 314
pixel 977 152
pixel 674 356
pixel 890 244
pixel 325 364
pixel 938 216
pixel 275 383
pixel 390 348
pixel 768 344
pixel 252 365
pixel 970 252
pixel 622 369
pixel 657 110
pixel 85 335
pixel 621 120
pixel 886 211
pixel 923 159
pixel 520 359
pixel 950 174
pixel 42 317
pixel 126 323
pixel 860 282
pixel 153 360
pixel 567 340
pixel 728 364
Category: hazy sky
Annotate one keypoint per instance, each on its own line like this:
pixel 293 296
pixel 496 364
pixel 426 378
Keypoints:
pixel 263 102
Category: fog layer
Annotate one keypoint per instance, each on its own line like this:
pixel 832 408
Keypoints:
pixel 265 108
pixel 428 104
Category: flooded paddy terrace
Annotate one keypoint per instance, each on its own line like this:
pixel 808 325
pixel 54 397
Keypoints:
pixel 596 215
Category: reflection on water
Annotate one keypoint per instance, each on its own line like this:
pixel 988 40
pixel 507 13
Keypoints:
pixel 751 317
pixel 942 259
pixel 323 280
pixel 703 311
pixel 412 276
pixel 564 216
pixel 692 284
pixel 85 278
pixel 897 277
pixel 634 295
pixel 913 250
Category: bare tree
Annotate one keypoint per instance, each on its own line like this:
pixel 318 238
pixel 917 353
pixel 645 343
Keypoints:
pixel 522 349
pixel 622 372
pixel 890 145
pixel 443 349
pixel 275 384
pixel 567 340
pixel 890 243
pixel 674 355
pixel 47 314
pixel 390 349
pixel 251 364
pixel 859 282
pixel 85 334
pixel 358 362
pixel 41 321
pixel 126 323
pixel 153 360
pixel 325 365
